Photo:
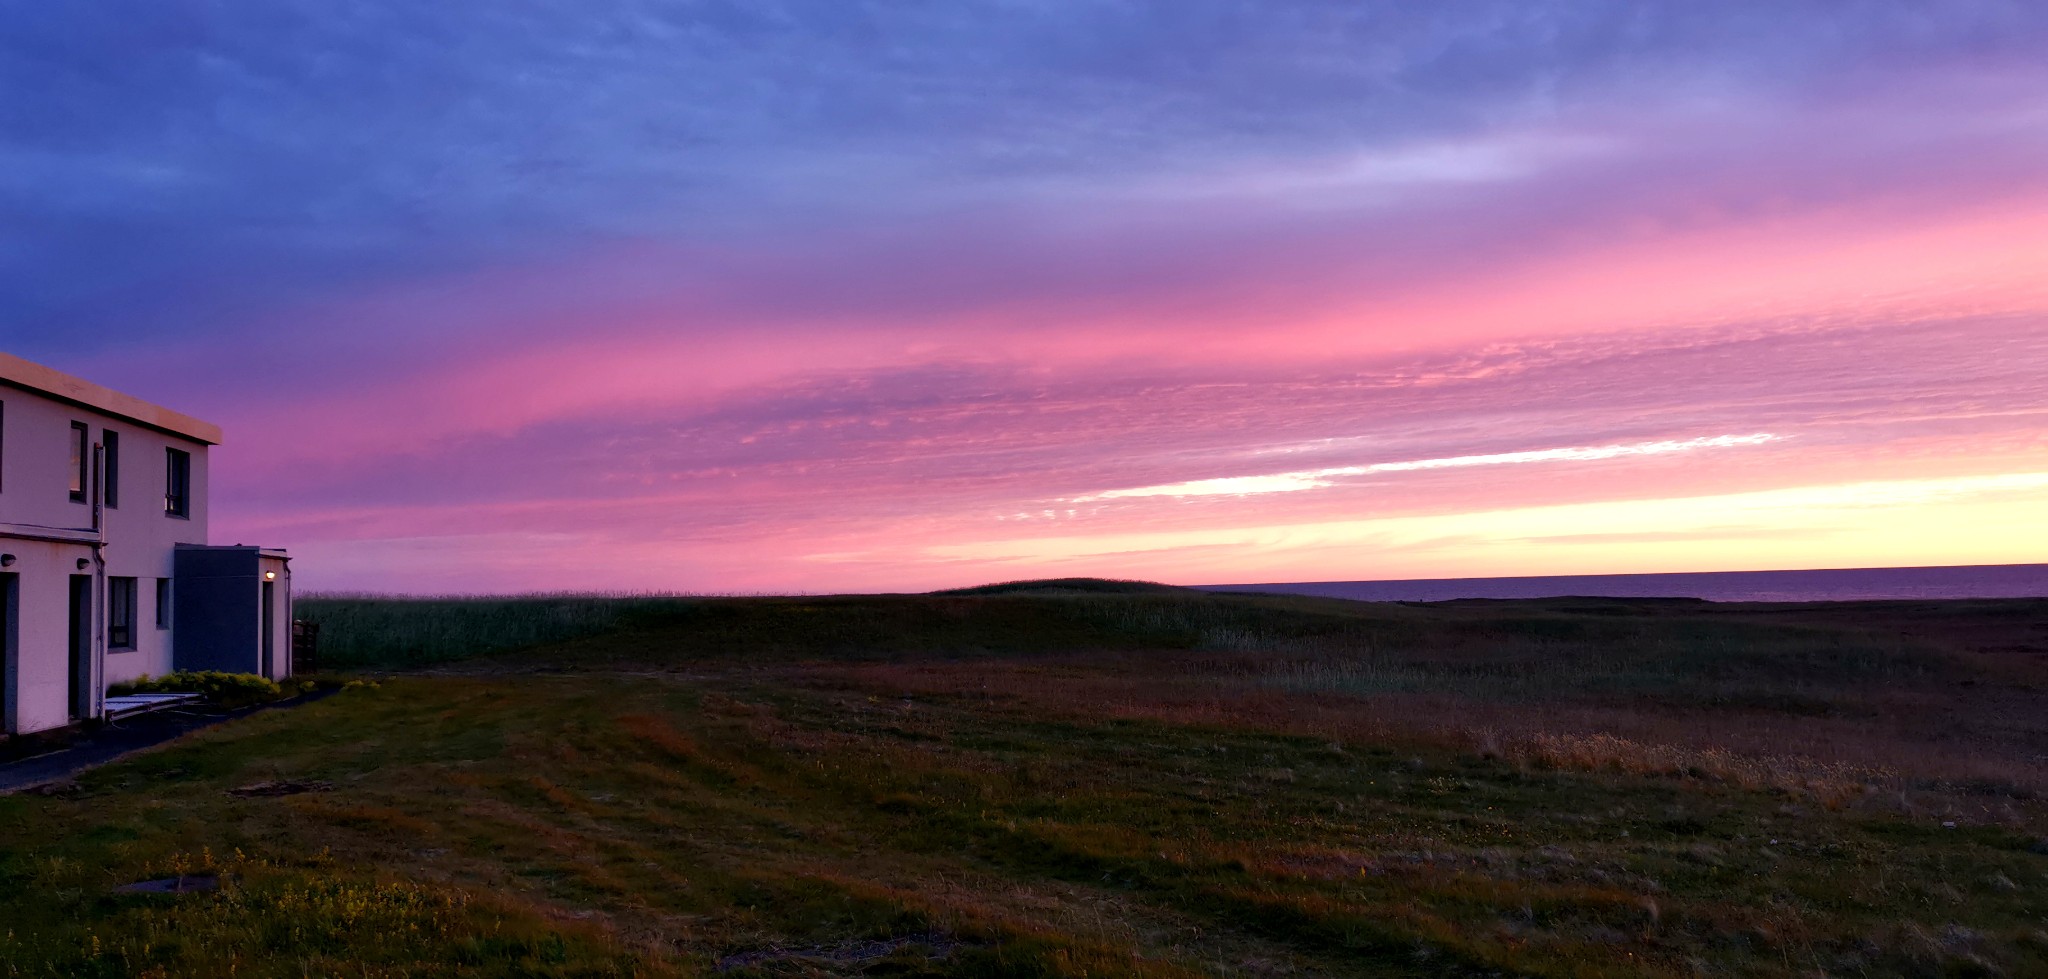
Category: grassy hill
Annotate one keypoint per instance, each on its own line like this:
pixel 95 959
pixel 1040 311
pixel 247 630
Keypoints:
pixel 1081 778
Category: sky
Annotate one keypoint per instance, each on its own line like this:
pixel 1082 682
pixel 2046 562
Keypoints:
pixel 831 295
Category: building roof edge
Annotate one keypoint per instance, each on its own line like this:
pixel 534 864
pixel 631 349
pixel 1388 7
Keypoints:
pixel 32 376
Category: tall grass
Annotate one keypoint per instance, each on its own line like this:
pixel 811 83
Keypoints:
pixel 399 632
pixel 386 631
pixel 1513 651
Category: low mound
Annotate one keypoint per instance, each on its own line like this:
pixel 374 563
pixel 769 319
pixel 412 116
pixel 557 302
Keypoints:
pixel 1067 586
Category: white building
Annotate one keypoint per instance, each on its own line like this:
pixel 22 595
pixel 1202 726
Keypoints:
pixel 104 570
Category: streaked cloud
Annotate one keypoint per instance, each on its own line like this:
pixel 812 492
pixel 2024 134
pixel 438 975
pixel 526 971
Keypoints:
pixel 846 294
pixel 1994 517
pixel 1294 482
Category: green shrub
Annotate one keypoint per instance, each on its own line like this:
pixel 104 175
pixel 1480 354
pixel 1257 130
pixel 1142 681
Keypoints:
pixel 227 689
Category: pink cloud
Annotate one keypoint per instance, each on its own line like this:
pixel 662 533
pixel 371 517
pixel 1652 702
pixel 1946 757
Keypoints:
pixel 862 408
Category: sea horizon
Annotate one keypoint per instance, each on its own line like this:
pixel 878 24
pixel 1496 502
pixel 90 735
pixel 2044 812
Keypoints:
pixel 1802 585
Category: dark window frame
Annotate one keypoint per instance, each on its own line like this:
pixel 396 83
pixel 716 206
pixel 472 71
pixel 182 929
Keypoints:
pixel 81 461
pixel 177 483
pixel 163 603
pixel 110 468
pixel 122 593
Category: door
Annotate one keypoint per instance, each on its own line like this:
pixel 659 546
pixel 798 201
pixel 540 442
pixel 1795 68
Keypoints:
pixel 270 629
pixel 10 662
pixel 81 646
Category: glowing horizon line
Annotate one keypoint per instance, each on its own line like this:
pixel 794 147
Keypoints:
pixel 1309 479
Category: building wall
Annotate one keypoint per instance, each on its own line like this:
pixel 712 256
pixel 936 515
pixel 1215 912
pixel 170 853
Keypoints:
pixel 217 611
pixel 220 598
pixel 41 685
pixel 35 474
pixel 281 619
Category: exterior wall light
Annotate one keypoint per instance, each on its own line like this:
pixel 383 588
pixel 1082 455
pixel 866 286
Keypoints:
pixel 84 563
pixel 6 560
pixel 269 576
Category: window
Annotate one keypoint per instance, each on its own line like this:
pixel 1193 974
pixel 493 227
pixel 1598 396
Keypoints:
pixel 120 613
pixel 163 603
pixel 110 469
pixel 177 483
pixel 80 459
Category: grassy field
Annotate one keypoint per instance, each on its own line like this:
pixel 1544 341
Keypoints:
pixel 1084 780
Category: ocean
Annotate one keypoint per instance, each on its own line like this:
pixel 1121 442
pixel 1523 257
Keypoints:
pixel 1838 585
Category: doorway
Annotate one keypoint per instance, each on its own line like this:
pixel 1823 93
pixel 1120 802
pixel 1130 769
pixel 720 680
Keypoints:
pixel 81 646
pixel 10 660
pixel 270 629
